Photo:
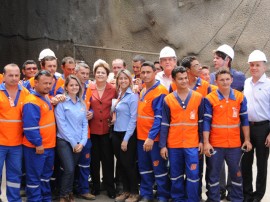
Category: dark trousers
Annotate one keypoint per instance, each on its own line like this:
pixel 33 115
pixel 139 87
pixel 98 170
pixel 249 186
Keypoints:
pixel 68 160
pixel 39 169
pixel 258 134
pixel 214 163
pixel 102 152
pixel 127 161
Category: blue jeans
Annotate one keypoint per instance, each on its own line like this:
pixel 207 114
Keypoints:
pixel 68 160
pixel 13 157
pixel 214 164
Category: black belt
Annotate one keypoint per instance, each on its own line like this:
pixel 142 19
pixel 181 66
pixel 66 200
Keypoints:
pixel 258 123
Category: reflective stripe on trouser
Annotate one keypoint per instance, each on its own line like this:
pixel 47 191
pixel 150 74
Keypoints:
pixel 39 169
pixel 184 161
pixel 12 155
pixel 214 164
pixel 152 167
pixel 84 169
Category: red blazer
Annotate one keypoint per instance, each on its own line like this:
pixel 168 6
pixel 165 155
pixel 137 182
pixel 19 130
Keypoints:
pixel 101 107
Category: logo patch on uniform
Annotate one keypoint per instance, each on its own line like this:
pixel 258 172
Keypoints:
pixel 87 155
pixel 193 166
pixel 192 114
pixel 235 112
pixel 239 174
pixel 155 163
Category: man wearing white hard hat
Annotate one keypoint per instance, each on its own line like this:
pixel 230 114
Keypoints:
pixel 167 60
pixel 47 52
pixel 257 92
pixel 223 57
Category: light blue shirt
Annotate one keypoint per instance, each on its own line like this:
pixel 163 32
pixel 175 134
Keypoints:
pixel 72 124
pixel 126 114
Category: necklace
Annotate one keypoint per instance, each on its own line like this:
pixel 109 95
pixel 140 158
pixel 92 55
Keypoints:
pixel 100 89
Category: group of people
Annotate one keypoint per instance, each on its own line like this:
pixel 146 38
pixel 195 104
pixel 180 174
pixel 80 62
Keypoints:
pixel 57 128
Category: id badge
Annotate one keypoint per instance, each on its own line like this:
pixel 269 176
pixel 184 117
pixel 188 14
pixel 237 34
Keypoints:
pixel 192 115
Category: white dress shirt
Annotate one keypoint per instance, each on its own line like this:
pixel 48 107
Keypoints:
pixel 164 80
pixel 258 99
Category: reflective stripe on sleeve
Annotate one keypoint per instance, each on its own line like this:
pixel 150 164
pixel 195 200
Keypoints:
pixel 38 127
pixel 145 117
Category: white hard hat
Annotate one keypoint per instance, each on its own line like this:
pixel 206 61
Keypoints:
pixel 256 56
pixel 226 49
pixel 167 52
pixel 46 52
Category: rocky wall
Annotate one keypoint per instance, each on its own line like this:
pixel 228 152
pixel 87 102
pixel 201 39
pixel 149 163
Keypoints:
pixel 194 27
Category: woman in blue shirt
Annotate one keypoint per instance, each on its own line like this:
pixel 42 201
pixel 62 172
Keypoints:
pixel 124 136
pixel 72 129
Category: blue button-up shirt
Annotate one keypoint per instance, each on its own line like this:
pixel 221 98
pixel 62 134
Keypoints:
pixel 72 124
pixel 126 114
pixel 238 79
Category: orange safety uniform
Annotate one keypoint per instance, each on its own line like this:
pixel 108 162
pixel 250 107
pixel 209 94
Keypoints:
pixel 1 78
pixel 149 112
pixel 39 128
pixel 11 129
pixel 223 117
pixel 182 120
pixel 87 99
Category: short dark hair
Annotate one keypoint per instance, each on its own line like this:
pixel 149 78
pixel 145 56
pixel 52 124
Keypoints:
pixel 222 71
pixel 42 72
pixel 186 62
pixel 205 67
pixel 47 58
pixel 68 60
pixel 178 69
pixel 150 64
pixel 157 62
pixel 28 62
pixel 223 56
pixel 138 58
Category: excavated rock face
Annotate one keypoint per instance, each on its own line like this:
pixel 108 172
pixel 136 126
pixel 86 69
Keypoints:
pixel 191 27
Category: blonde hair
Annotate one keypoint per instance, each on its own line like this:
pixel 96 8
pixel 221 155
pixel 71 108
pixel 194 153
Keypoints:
pixel 101 63
pixel 128 74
